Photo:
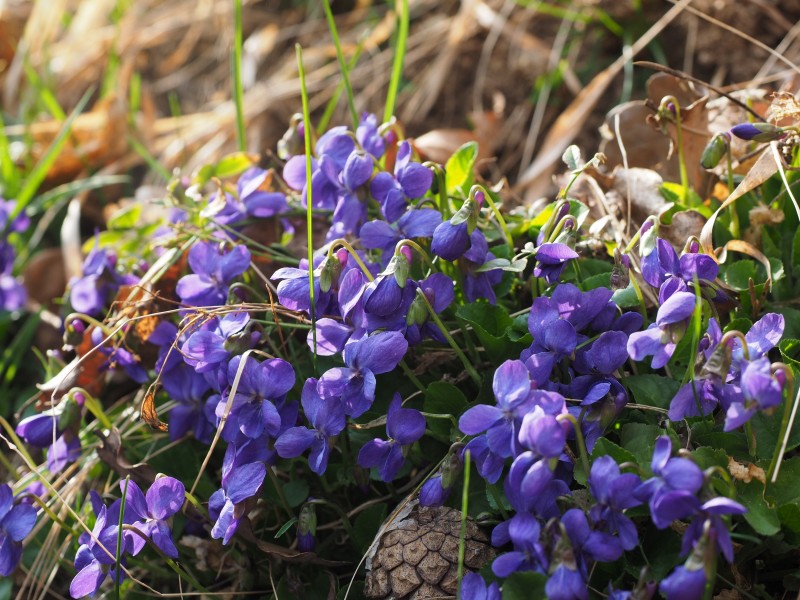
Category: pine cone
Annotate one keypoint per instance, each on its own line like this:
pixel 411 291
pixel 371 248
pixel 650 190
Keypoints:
pixel 416 556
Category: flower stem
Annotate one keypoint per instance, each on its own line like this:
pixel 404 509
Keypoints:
pixel 789 414
pixel 579 437
pixel 463 534
pixel 460 353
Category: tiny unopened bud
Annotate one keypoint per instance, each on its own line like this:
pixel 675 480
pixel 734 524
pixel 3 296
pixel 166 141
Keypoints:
pixel 400 265
pixel 70 415
pixel 719 363
pixel 329 272
pixel 306 528
pixel 758 132
pixel 715 150
pixel 73 332
pixel 293 141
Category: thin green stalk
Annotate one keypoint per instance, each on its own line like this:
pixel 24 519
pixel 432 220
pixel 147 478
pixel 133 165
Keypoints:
pixel 681 154
pixel 399 56
pixel 331 105
pixel 789 414
pixel 499 218
pixel 343 68
pixel 118 553
pixel 578 436
pixel 410 374
pixel 238 87
pixel 459 352
pixel 463 534
pixel 39 172
pixel 309 213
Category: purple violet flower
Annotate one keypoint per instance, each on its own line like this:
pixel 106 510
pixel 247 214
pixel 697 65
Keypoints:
pixel 411 180
pixel 213 271
pixel 473 587
pixel 404 426
pixel 327 420
pixel 364 359
pixel 96 556
pixel 660 339
pixel 16 522
pixel 227 505
pixel 368 136
pixel 257 202
pixel 685 583
pixel 164 498
pixel 551 260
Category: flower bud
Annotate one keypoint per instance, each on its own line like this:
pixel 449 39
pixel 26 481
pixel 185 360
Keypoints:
pixel 293 141
pixel 329 272
pixel 758 132
pixel 306 528
pixel 620 278
pixel 715 150
pixel 73 332
pixel 70 416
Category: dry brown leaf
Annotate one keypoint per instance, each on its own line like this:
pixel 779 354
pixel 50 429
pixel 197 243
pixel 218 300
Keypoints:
pixel 642 186
pixel 764 168
pixel 746 473
pixel 685 224
pixel 148 412
pixel 644 146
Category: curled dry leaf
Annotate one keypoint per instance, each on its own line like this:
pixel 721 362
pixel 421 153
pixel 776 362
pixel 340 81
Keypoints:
pixel 685 224
pixel 149 413
pixel 746 473
pixel 440 144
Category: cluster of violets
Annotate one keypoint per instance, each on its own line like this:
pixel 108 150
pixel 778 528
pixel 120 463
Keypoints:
pixel 142 518
pixel 393 262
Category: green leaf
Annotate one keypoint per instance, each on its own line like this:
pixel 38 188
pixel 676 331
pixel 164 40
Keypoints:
pixel 601 280
pixel 285 527
pixel 759 515
pixel 491 324
pixel 126 217
pixel 707 457
pixel 738 274
pixel 626 298
pixel 233 164
pixel 795 262
pixel 766 429
pixel 790 352
pixel 524 585
pixel 640 439
pixel 296 492
pixel 652 390
pixel 572 158
pixel 458 170
pixel 604 447
pixel 789 515
pixel 442 398
pixel 787 488
pixel 367 524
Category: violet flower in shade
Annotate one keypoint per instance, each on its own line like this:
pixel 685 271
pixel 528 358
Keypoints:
pixel 13 294
pixel 685 583
pixel 473 587
pixel 553 339
pixel 259 203
pixel 710 521
pixel 551 260
pixel 164 498
pixel 660 339
pixel 479 283
pixel 761 390
pixel 16 522
pixel 542 433
pixel 327 420
pixel 253 409
pixel 512 391
pixel 411 180
pixel 383 296
pixel 439 290
pixel 672 491
pixel 523 531
pixel 404 426
pixel 227 506
pixel 364 359
pixel 433 492
pixel 612 532
pixel 190 390
pixel 119 356
pixel 214 270
pixel 99 281
pixel 368 136
pixel 96 556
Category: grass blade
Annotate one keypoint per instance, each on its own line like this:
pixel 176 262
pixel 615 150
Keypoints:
pixel 39 172
pixel 399 56
pixel 9 173
pixel 238 89
pixel 343 67
pixel 337 93
pixel 301 72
